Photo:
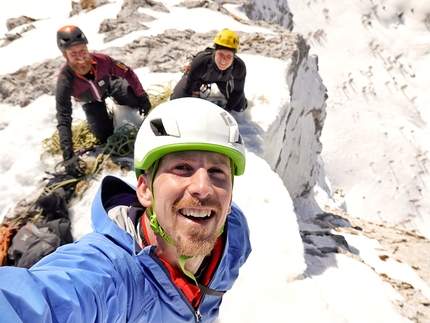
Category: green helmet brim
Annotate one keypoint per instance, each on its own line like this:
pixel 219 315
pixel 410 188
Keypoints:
pixel 237 158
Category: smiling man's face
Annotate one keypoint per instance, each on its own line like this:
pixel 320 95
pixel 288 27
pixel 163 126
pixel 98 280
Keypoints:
pixel 223 59
pixel 192 195
pixel 78 58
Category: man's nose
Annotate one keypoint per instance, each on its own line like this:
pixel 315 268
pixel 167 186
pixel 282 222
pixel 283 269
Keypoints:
pixel 201 184
pixel 81 54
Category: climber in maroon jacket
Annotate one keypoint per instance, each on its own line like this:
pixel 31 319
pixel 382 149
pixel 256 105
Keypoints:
pixel 90 78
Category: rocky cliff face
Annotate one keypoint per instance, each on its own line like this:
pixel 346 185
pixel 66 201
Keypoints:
pixel 295 156
pixel 301 125
pixel 273 11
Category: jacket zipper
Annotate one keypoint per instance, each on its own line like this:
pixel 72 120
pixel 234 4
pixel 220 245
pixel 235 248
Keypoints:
pixel 197 313
pixel 96 91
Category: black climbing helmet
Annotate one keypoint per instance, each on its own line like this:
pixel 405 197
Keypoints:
pixel 69 36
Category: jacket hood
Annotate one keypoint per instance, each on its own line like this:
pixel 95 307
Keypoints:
pixel 112 192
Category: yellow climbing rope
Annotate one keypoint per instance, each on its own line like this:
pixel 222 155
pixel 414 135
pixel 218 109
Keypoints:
pixel 160 93
pixel 82 138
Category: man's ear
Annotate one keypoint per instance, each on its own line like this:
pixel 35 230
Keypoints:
pixel 143 191
pixel 64 54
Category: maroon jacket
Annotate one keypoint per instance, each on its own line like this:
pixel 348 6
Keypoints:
pixel 70 85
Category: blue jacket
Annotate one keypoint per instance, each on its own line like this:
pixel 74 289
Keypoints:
pixel 106 277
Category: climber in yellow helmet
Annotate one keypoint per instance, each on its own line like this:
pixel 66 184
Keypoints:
pixel 218 65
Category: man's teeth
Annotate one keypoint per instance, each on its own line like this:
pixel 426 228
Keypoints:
pixel 196 213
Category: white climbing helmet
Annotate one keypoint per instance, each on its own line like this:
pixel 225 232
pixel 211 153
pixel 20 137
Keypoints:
pixel 188 124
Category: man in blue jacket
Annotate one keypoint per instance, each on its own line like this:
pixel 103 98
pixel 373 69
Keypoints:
pixel 165 251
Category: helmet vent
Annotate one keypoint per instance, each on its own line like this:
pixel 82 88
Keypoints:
pixel 157 127
pixel 239 140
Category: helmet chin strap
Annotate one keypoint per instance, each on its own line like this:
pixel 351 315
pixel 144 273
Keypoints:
pixel 155 226
pixel 153 222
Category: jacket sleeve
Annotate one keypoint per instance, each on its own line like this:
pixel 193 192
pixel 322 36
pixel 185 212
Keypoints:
pixel 118 68
pixel 63 106
pixel 78 283
pixel 198 68
pixel 239 75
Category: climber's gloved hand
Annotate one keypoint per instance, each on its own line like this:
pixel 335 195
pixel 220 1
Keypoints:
pixel 144 104
pixel 72 167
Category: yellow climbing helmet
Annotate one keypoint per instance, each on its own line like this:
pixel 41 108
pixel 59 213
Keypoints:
pixel 227 39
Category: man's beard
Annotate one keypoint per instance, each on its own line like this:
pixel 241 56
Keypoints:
pixel 81 69
pixel 196 241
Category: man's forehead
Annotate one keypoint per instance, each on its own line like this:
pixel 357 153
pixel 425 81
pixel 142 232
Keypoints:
pixel 198 154
pixel 224 52
pixel 77 47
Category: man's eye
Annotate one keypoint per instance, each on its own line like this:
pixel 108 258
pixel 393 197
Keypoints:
pixel 182 167
pixel 216 171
